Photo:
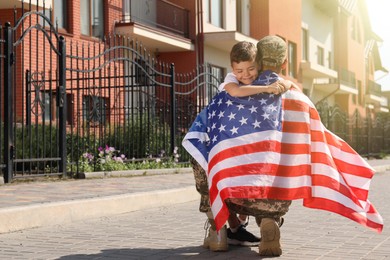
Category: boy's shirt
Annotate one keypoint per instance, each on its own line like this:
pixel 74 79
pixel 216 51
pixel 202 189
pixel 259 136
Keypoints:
pixel 230 78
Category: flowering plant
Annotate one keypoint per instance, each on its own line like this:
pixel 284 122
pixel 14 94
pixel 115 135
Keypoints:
pixel 110 159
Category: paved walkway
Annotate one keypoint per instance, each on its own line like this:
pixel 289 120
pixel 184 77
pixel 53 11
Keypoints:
pixel 156 217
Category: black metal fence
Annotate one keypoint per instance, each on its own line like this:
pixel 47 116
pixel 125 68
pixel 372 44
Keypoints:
pixel 61 99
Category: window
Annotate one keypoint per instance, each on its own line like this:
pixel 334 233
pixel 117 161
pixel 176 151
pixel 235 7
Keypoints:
pixel 216 79
pixel 305 46
pixel 320 55
pixel 92 18
pixel 292 59
pixel 330 60
pixel 213 10
pixel 243 16
pixel 58 15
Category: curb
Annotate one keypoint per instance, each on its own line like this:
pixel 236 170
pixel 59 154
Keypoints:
pixel 24 217
pixel 129 173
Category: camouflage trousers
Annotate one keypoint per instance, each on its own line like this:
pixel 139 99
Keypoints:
pixel 259 208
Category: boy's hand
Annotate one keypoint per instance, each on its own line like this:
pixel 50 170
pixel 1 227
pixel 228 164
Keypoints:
pixel 280 86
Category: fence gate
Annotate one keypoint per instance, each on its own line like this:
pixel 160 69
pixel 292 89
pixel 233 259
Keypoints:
pixel 34 98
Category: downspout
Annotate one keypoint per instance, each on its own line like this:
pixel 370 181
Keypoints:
pixel 200 35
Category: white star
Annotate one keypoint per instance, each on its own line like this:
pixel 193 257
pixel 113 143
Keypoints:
pixel 198 124
pixel 250 98
pixel 272 108
pixel 276 123
pixel 243 121
pixel 222 128
pixel 229 102
pixel 256 124
pixel 265 115
pixel 219 101
pixel 213 126
pixel 253 109
pixel 234 130
pixel 240 106
pixel 263 101
pixel 214 139
pixel 221 114
pixel 232 116
pixel 213 113
pixel 268 78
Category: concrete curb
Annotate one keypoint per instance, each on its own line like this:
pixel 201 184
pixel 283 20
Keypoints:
pixel 129 173
pixel 19 218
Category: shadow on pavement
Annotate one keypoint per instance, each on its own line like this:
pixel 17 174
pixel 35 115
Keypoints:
pixel 175 253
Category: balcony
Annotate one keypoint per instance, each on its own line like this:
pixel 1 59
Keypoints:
pixel 10 4
pixel 314 70
pixel 344 84
pixel 224 40
pixel 329 7
pixel 374 92
pixel 158 25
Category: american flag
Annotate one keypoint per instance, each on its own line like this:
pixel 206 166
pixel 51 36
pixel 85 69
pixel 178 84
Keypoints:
pixel 275 147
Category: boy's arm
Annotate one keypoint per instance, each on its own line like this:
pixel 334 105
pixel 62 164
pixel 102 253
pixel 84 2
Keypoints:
pixel 247 90
pixel 277 87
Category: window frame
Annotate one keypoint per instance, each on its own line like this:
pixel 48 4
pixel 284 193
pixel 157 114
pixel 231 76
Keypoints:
pixel 89 14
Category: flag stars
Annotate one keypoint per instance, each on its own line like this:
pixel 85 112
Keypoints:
pixel 265 115
pixel 243 121
pixel 272 108
pixel 229 103
pixel 232 116
pixel 253 109
pixel 213 114
pixel 240 106
pixel 234 130
pixel 221 114
pixel 213 126
pixel 198 124
pixel 219 102
pixel 263 101
pixel 256 124
pixel 214 139
pixel 222 128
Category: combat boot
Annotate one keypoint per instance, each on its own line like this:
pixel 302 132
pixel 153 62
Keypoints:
pixel 270 238
pixel 215 241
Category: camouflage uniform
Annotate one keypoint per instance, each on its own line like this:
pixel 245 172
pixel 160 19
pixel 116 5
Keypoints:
pixel 259 208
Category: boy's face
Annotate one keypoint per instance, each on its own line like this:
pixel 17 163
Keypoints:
pixel 245 71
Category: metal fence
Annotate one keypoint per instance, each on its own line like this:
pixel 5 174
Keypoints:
pixel 61 99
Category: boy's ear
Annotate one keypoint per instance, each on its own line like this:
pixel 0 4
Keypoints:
pixel 284 65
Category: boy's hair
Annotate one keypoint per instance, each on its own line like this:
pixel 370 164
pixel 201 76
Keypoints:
pixel 271 51
pixel 243 51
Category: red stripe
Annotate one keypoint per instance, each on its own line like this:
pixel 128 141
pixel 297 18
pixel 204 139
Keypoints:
pixel 257 169
pixel 295 105
pixel 333 206
pixel 295 127
pixel 262 146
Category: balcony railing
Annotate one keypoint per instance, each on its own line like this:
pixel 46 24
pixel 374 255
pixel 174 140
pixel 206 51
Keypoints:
pixel 158 14
pixel 374 88
pixel 347 77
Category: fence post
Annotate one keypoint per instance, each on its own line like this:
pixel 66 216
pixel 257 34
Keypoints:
pixel 9 149
pixel 173 109
pixel 61 104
